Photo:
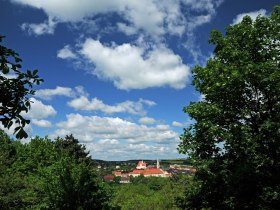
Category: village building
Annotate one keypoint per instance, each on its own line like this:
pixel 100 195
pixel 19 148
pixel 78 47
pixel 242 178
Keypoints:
pixel 142 169
pixel 117 173
pixel 141 165
pixel 150 172
pixel 179 168
pixel 109 178
pixel 125 179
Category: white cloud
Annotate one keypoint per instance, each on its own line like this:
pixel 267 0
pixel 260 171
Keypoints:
pixel 83 103
pixel 108 141
pixel 198 20
pixel 200 12
pixel 66 53
pixel 253 15
pixel 48 94
pixel 177 124
pixel 129 151
pixel 47 27
pixel 155 18
pixel 10 75
pixel 147 120
pixel 92 128
pixel 128 30
pixel 41 123
pixel 203 5
pixel 124 139
pixel 39 110
pixel 132 67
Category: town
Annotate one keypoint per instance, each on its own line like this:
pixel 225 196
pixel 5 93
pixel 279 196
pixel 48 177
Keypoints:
pixel 123 175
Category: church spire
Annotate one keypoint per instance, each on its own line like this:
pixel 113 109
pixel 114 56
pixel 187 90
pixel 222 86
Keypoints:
pixel 158 166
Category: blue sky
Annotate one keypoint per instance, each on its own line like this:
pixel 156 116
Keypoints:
pixel 117 73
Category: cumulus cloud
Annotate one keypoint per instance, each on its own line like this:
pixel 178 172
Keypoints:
pixel 124 139
pixel 66 53
pixel 39 110
pixel 147 120
pixel 253 15
pixel 132 67
pixel 108 141
pixel 95 104
pixel 91 128
pixel 153 17
pixel 120 151
pixel 177 124
pixel 47 27
pixel 42 123
pixel 48 94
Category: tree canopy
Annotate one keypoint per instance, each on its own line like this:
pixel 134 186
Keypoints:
pixel 235 135
pixel 45 174
pixel 15 88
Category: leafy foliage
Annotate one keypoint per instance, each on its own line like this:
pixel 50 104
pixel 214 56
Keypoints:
pixel 43 174
pixel 149 193
pixel 15 88
pixel 235 137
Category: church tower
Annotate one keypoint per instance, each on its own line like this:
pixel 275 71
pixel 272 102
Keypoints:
pixel 158 166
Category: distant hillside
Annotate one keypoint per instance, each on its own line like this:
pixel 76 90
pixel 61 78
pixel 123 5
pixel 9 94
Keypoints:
pixel 163 163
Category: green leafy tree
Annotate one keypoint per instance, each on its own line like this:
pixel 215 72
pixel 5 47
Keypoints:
pixel 148 193
pixel 44 175
pixel 8 183
pixel 16 88
pixel 235 136
pixel 71 146
pixel 68 185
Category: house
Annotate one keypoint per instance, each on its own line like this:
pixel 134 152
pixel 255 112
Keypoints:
pixel 117 173
pixel 135 172
pixel 142 169
pixel 183 169
pixel 109 178
pixel 125 179
pixel 147 171
pixel 150 172
pixel 141 165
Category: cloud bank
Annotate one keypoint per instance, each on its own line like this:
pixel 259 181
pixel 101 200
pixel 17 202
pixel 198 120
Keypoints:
pixel 95 104
pixel 154 18
pixel 93 128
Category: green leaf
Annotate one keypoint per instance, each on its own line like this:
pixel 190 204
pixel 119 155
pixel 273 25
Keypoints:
pixel 21 134
pixel 5 70
pixel 17 59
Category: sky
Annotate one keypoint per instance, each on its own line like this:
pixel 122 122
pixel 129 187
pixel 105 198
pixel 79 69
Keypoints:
pixel 117 73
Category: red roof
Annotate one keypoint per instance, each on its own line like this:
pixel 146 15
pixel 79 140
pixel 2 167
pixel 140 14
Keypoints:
pixel 117 173
pixel 148 171
pixel 152 171
pixel 136 171
pixel 108 178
